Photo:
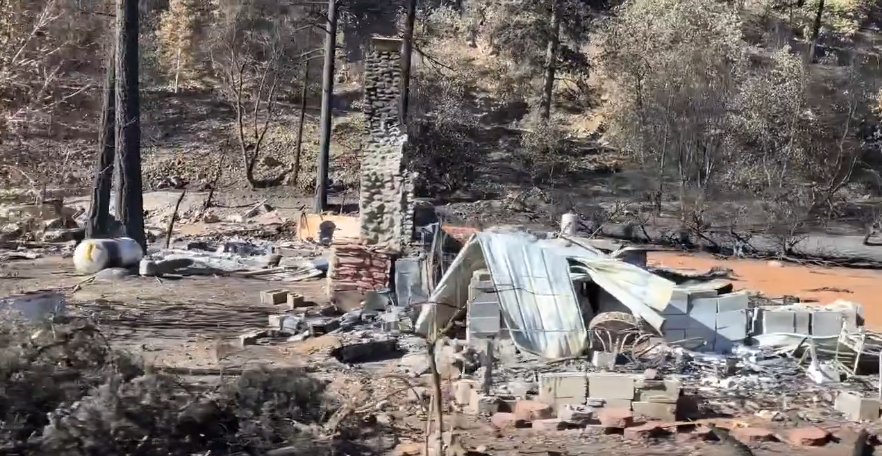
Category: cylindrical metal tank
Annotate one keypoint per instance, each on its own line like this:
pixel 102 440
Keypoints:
pixel 93 255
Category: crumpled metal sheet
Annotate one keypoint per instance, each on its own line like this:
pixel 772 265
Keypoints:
pixel 535 288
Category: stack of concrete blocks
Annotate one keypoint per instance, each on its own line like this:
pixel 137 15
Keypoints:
pixel 716 321
pixel 654 399
pixel 355 270
pixel 821 322
pixel 386 199
pixel 484 319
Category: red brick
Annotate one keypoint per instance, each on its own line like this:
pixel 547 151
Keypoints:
pixel 504 420
pixel 753 435
pixel 615 418
pixel 646 431
pixel 552 424
pixel 533 410
pixel 809 436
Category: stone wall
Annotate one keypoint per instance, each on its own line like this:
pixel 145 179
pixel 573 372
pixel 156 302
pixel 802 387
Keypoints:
pixel 355 270
pixel 386 200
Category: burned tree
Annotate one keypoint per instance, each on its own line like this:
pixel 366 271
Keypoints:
pixel 99 210
pixel 128 139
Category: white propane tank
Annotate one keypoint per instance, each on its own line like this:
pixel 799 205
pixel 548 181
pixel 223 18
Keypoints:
pixel 93 255
pixel 569 223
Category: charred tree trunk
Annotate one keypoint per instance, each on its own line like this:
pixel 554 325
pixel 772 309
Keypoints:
pixel 816 30
pixel 551 60
pixel 324 159
pixel 98 225
pixel 406 57
pixel 128 139
pixel 303 94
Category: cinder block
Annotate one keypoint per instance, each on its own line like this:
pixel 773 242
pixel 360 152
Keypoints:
pixel 295 300
pixel 858 408
pixel 731 328
pixel 703 315
pixel 778 321
pixel 679 294
pixel 484 309
pixel 827 323
pixel 705 339
pixel 678 322
pixel 484 326
pixel 702 305
pixel 273 297
pixel 702 294
pixel 561 388
pixel 803 322
pixel 731 302
pixel 480 404
pixel 611 386
pixel 677 307
pixel 462 391
pixel 482 275
pixel 655 411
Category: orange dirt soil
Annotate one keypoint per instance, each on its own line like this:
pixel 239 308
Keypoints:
pixel 774 279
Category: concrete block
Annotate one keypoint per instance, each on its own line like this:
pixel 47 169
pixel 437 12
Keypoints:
pixel 681 321
pixel 482 275
pixel 484 309
pixel 655 411
pixel 296 300
pixel 827 323
pixel 679 294
pixel 856 407
pixel 673 387
pixel 677 307
pixel 658 397
pixel 611 386
pixel 702 294
pixel 484 326
pixel 706 339
pixel 803 322
pixel 731 328
pixel 703 313
pixel 731 302
pixel 273 297
pixel 480 404
pixel 462 391
pixel 562 388
pixel 778 321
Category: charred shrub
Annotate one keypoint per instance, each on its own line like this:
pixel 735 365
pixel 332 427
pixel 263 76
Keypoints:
pixel 44 367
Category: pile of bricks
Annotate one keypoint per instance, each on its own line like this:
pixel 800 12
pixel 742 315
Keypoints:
pixel 355 270
pixel 637 406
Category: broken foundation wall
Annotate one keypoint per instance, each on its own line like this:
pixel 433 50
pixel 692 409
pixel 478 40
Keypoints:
pixel 354 270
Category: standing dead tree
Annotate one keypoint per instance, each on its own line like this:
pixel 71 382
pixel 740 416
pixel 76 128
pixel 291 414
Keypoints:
pixel 253 62
pixel 99 209
pixel 128 112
